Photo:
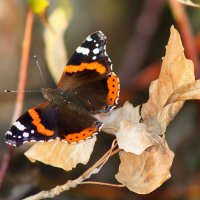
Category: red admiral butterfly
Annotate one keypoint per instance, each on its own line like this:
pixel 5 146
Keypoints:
pixel 87 86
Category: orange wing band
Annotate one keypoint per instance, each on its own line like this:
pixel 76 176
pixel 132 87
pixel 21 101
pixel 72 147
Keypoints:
pixel 84 134
pixel 85 66
pixel 113 89
pixel 37 122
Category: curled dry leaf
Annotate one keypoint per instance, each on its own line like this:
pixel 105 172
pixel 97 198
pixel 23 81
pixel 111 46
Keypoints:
pixel 176 71
pixel 190 91
pixel 60 154
pixel 189 3
pixel 111 121
pixel 144 173
pixel 55 51
pixel 134 138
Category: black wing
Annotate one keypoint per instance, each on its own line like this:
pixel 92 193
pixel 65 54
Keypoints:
pixel 88 75
pixel 37 124
pixel 46 122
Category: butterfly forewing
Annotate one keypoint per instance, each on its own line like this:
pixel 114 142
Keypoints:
pixel 87 74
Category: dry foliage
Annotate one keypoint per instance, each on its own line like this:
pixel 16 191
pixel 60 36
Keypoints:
pixel 189 3
pixel 55 51
pixel 143 174
pixel 59 154
pixel 176 71
pixel 186 92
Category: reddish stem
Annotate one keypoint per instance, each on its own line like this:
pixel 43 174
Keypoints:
pixel 140 42
pixel 21 86
pixel 182 21
pixel 24 65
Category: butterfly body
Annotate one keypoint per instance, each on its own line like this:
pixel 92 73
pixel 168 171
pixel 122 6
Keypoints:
pixel 87 86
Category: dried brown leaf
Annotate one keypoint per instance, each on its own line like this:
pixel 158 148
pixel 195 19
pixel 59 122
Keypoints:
pixel 111 121
pixel 189 3
pixel 144 173
pixel 176 71
pixel 55 51
pixel 190 91
pixel 60 154
pixel 134 138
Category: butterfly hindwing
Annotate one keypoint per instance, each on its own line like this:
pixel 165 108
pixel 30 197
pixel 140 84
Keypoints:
pixel 76 126
pixel 46 122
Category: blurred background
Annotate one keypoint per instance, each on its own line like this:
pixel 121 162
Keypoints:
pixel 137 33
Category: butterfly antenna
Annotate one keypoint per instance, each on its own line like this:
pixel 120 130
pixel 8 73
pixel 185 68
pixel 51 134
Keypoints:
pixel 16 91
pixel 38 65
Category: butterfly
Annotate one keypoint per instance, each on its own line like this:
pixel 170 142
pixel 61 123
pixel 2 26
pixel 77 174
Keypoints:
pixel 87 86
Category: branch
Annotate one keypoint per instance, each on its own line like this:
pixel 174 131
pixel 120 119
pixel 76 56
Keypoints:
pixel 102 183
pixel 74 183
pixel 21 85
pixel 182 21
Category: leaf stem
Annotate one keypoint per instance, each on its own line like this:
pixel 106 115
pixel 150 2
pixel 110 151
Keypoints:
pixel 102 183
pixel 74 183
pixel 21 85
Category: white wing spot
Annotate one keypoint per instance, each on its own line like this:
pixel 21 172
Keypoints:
pixel 83 50
pixel 25 134
pixel 8 133
pixel 111 66
pixel 94 57
pixel 97 45
pixel 96 51
pixel 19 126
pixel 89 39
pixel 116 100
pixel 64 141
pixel 32 131
pixel 50 140
pixel 19 136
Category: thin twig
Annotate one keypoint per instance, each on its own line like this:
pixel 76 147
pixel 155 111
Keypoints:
pixel 24 64
pixel 115 152
pixel 74 183
pixel 21 86
pixel 102 183
pixel 100 162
